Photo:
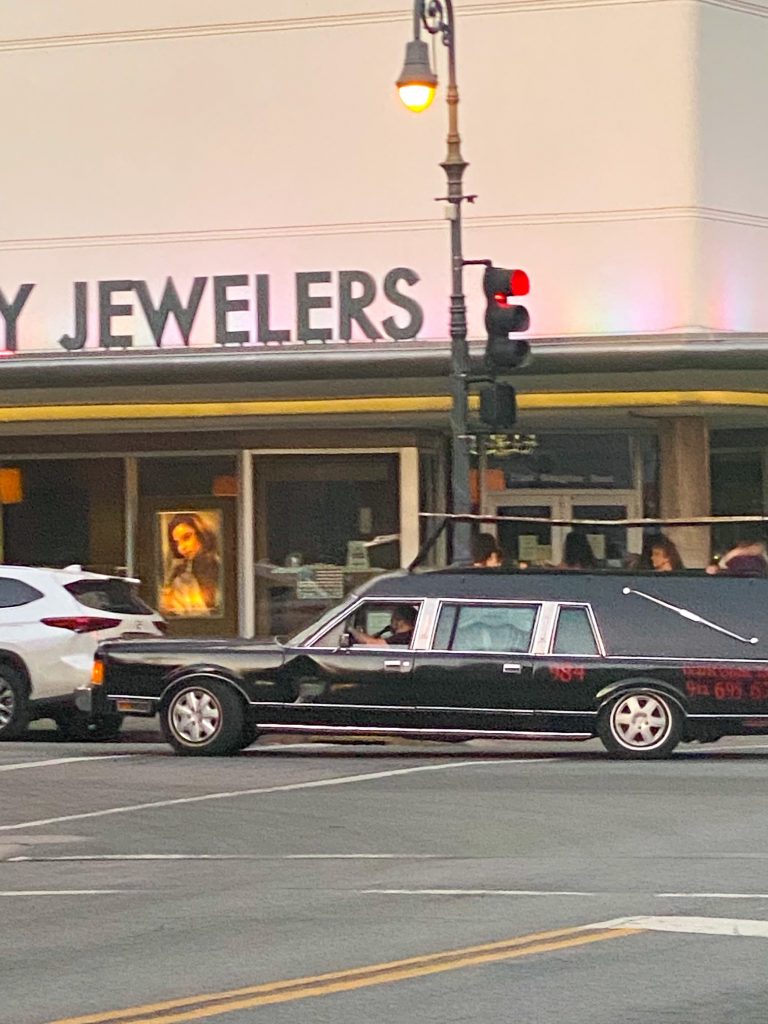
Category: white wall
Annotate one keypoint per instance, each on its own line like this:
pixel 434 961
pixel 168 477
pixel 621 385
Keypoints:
pixel 145 140
pixel 732 158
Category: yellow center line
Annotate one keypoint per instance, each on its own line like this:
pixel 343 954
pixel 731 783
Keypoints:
pixel 178 1011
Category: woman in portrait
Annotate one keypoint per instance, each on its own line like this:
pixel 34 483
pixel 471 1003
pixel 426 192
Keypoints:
pixel 193 582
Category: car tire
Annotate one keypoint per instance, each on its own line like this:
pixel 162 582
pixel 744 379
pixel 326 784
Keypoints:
pixel 75 727
pixel 640 723
pixel 14 704
pixel 203 717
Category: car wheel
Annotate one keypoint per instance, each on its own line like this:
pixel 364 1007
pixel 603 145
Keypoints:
pixel 75 727
pixel 640 724
pixel 204 717
pixel 14 705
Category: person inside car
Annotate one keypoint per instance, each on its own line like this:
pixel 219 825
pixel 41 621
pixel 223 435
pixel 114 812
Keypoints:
pixel 399 631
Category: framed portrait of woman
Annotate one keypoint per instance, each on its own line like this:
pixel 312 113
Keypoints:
pixel 190 580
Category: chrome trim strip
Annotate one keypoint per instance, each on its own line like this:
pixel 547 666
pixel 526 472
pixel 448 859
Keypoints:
pixel 748 717
pixel 423 708
pixel 688 661
pixel 542 640
pixel 356 730
pixel 130 696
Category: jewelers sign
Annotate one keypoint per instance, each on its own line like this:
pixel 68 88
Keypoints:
pixel 315 308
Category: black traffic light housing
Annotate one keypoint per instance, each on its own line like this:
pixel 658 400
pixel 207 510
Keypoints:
pixel 503 318
pixel 498 406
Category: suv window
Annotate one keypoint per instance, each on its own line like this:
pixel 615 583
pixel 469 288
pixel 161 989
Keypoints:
pixel 14 593
pixel 492 628
pixel 117 596
pixel 574 634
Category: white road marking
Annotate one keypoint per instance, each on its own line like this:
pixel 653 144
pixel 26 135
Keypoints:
pixel 287 788
pixel 65 892
pixel 712 895
pixel 21 765
pixel 561 892
pixel 474 892
pixel 231 856
pixel 692 925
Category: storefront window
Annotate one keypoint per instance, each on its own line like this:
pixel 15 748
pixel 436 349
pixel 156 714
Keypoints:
pixel 324 524
pixel 187 542
pixel 69 512
pixel 737 490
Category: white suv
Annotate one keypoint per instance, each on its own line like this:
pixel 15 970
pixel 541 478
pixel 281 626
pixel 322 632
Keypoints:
pixel 51 621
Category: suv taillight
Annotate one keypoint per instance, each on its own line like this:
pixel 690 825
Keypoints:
pixel 161 624
pixel 82 623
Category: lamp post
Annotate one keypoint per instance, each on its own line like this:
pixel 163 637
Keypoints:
pixel 417 85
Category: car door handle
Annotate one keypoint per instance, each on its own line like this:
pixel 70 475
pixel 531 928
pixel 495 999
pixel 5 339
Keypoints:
pixel 396 665
pixel 511 669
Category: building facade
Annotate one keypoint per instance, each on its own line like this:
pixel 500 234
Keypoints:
pixel 224 279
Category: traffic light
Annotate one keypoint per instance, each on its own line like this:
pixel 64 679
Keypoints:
pixel 498 406
pixel 503 318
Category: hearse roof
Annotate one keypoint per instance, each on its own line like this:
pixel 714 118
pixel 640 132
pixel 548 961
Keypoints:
pixel 678 615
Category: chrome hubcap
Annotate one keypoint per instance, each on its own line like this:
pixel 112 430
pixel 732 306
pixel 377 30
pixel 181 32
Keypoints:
pixel 7 704
pixel 195 716
pixel 641 721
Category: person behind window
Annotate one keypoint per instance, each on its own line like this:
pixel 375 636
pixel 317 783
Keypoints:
pixel 664 555
pixel 577 552
pixel 748 558
pixel 486 553
pixel 400 629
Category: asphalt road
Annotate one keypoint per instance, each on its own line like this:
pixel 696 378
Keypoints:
pixel 477 882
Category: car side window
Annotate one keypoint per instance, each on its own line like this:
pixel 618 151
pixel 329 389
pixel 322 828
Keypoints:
pixel 503 629
pixel 14 593
pixel 372 618
pixel 574 633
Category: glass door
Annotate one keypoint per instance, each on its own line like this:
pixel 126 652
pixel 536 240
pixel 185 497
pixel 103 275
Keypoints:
pixel 540 544
pixel 530 544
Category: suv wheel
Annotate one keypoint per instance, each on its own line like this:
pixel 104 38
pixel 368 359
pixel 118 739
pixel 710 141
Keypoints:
pixel 14 705
pixel 203 717
pixel 641 724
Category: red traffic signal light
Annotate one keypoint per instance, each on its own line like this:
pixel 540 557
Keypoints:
pixel 503 318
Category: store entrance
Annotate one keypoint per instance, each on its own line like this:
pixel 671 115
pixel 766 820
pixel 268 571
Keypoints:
pixel 539 544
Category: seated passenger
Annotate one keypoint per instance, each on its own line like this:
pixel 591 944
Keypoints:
pixel 748 558
pixel 578 553
pixel 400 629
pixel 664 555
pixel 486 553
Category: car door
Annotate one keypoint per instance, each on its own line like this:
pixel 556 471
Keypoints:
pixel 570 671
pixel 357 686
pixel 477 674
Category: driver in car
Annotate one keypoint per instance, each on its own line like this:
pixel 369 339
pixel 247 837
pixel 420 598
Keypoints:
pixel 399 631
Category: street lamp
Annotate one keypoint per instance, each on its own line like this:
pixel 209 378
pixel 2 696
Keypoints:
pixel 417 84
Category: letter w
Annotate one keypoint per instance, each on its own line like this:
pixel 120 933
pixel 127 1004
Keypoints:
pixel 170 304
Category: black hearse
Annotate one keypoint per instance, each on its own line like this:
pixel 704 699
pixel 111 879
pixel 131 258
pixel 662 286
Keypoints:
pixel 643 661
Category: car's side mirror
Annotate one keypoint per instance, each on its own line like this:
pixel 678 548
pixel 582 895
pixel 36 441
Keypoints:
pixel 345 641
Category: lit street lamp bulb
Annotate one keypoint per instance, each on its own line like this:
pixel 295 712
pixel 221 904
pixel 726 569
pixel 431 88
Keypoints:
pixel 417 96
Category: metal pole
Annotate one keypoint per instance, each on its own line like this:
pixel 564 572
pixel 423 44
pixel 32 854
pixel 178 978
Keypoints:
pixel 443 22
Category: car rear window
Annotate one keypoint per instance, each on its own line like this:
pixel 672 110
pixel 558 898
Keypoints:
pixel 14 593
pixel 109 596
